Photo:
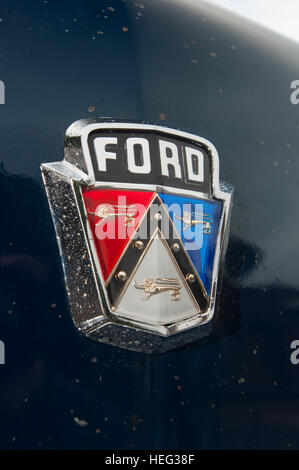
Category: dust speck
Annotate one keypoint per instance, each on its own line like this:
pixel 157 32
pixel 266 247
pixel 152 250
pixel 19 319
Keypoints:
pixel 80 422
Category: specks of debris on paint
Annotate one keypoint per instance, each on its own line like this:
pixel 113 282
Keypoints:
pixel 110 8
pixel 234 48
pixel 194 61
pixel 162 117
pixel 275 163
pixel 241 380
pixel 213 54
pixel 125 29
pixel 91 109
pixel 80 422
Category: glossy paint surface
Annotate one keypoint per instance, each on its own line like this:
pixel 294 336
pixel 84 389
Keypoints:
pixel 206 72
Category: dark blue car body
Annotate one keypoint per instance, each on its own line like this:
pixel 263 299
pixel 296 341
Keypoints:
pixel 201 70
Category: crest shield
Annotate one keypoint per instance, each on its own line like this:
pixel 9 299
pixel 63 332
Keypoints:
pixel 142 224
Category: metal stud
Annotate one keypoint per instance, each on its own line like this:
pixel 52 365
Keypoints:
pixel 122 276
pixel 190 278
pixel 175 247
pixel 139 245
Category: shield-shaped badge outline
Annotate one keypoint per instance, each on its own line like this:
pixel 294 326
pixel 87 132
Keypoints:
pixel 76 172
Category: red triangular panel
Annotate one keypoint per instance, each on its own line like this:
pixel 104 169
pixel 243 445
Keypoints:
pixel 113 218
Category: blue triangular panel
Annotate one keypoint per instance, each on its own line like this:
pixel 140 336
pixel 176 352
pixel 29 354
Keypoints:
pixel 199 245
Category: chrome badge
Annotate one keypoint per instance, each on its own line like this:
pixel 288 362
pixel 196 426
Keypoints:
pixel 142 225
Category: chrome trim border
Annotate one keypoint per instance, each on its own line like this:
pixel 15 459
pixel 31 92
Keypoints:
pixel 85 287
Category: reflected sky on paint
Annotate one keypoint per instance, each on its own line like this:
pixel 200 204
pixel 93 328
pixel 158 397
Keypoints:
pixel 281 17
